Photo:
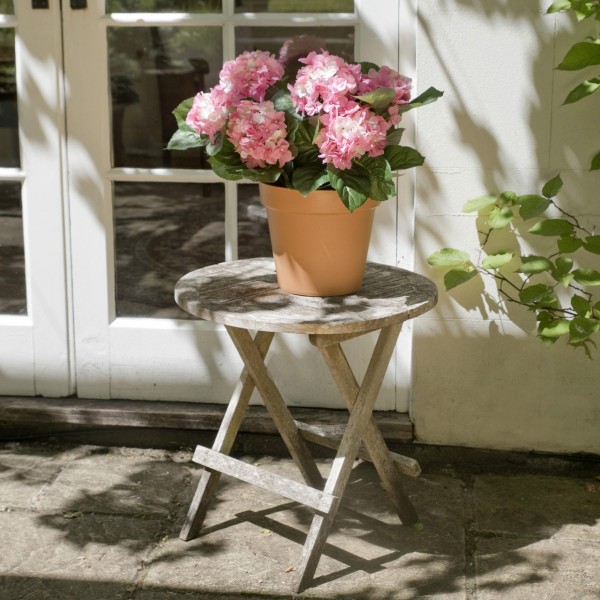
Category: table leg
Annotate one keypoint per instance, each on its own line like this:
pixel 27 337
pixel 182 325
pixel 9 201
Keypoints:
pixel 276 406
pixel 380 455
pixel 228 430
pixel 343 462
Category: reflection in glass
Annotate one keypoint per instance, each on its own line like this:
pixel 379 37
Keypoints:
pixel 253 229
pixel 153 69
pixel 6 7
pixel 288 43
pixel 9 130
pixel 286 6
pixel 162 6
pixel 13 298
pixel 163 231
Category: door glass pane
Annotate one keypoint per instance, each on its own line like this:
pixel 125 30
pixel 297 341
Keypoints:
pixel 12 257
pixel 253 230
pixel 189 6
pixel 152 70
pixel 6 7
pixel 163 231
pixel 288 43
pixel 9 131
pixel 285 6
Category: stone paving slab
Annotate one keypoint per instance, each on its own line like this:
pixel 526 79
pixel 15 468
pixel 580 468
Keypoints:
pixel 90 523
pixel 522 568
pixel 534 506
pixel 71 557
pixel 256 538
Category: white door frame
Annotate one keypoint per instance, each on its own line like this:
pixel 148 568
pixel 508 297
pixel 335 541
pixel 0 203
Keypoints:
pixel 36 355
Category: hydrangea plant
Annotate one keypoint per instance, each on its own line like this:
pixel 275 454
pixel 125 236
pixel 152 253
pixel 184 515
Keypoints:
pixel 329 124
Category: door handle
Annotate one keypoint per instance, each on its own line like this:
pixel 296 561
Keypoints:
pixel 78 3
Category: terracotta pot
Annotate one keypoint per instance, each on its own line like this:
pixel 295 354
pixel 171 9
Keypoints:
pixel 320 249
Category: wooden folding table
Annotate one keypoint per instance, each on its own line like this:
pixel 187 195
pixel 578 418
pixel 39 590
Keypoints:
pixel 244 296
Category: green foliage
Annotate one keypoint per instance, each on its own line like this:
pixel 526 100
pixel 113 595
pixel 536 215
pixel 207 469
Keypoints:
pixel 535 280
pixel 368 177
pixel 557 286
pixel 582 55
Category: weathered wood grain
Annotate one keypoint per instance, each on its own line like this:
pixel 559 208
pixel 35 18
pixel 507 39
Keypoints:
pixel 245 294
pixel 47 414
pixel 329 439
pixel 288 488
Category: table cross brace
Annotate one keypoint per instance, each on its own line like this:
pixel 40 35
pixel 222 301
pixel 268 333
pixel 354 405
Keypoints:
pixel 360 401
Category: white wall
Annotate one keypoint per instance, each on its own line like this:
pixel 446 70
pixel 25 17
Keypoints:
pixel 480 378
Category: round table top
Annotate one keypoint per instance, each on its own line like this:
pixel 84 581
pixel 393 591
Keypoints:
pixel 245 294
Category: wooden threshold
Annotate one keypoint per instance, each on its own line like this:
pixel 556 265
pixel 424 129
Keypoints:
pixel 20 412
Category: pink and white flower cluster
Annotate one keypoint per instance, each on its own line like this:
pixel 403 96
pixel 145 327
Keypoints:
pixel 325 85
pixel 326 89
pixel 237 105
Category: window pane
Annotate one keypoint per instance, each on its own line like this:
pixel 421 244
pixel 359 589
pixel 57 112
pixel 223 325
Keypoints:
pixel 284 6
pixel 163 231
pixel 295 42
pixel 153 69
pixel 13 299
pixel 190 6
pixel 6 7
pixel 9 130
pixel 253 230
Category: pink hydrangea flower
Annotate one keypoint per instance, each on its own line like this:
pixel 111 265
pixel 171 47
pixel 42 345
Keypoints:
pixel 322 81
pixel 249 75
pixel 388 78
pixel 208 114
pixel 349 133
pixel 257 132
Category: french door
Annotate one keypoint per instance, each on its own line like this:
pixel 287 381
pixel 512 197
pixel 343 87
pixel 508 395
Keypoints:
pixel 111 220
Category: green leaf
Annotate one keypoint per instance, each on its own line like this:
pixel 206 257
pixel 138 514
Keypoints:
pixel 379 99
pixel 587 276
pixel 595 165
pixel 303 143
pixel 507 199
pixel 580 56
pixel 185 139
pixel 403 157
pixel 554 329
pixel 596 310
pixel 394 136
pixel 382 186
pixel 552 227
pixel 531 265
pixel 536 294
pixel 563 264
pixel 581 306
pixel 552 187
pixel 456 277
pixel 181 111
pixel 592 244
pixel 558 5
pixel 352 185
pixel 500 218
pixel 427 97
pixel 310 178
pixel 448 257
pixel 532 206
pixel 568 244
pixel 495 261
pixel 588 87
pixel 478 204
pixel 582 328
pixel 366 66
pixel 282 101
